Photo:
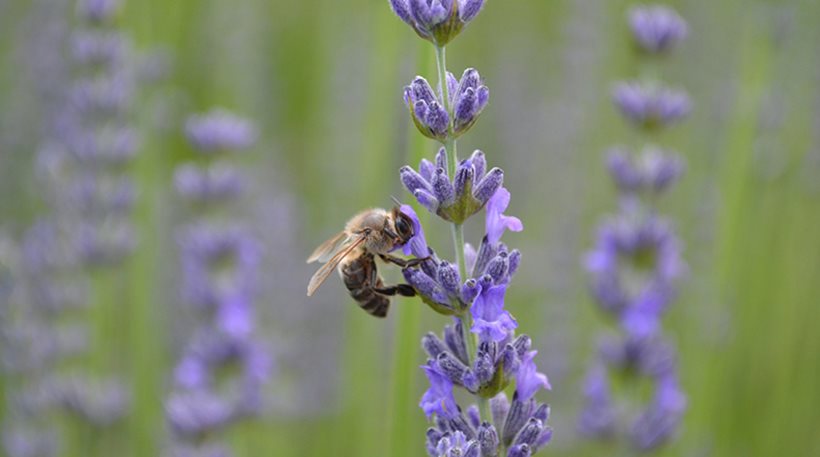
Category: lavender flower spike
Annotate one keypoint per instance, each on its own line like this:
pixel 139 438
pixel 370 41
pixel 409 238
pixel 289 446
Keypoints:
pixel 438 21
pixel 656 28
pixel 426 110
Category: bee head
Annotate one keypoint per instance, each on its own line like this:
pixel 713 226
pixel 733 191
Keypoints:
pixel 403 225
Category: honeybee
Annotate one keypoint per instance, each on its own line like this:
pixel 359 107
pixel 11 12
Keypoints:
pixel 371 233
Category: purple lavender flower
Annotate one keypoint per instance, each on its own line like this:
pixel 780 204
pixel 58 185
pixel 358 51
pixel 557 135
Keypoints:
pixel 438 399
pixel 220 130
pixel 490 321
pixel 454 199
pixel 528 380
pixel 438 21
pixel 497 222
pixel 653 171
pixel 650 106
pixel 656 28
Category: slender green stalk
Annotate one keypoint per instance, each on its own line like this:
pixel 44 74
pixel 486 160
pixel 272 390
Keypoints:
pixel 451 154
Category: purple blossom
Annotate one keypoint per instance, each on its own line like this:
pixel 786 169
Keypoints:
pixel 650 106
pixel 528 379
pixel 417 245
pixel 216 182
pixel 438 399
pixel 497 222
pixel 490 320
pixel 438 21
pixel 427 109
pixel 657 28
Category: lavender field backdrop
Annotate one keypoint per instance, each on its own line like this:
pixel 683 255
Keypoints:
pixel 228 139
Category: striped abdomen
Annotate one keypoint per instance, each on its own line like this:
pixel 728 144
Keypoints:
pixel 360 277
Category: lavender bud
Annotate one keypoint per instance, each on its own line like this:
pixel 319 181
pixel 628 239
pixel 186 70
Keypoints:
pixel 426 169
pixel 497 268
pixel 509 359
pixel 484 369
pixel 542 413
pixel 488 440
pixel 451 367
pixel 449 279
pixel 499 406
pixel 459 424
pixel 486 188
pixel 474 416
pixel 472 450
pixel 516 418
pixel 433 345
pixel 464 179
pixel 427 200
pixel 522 345
pixel 433 438
pixel 454 339
pixel 530 433
pixel 486 252
pixel 515 261
pixel 441 159
pixel 402 10
pixel 470 9
pixel 413 181
pixel 442 188
pixel 468 101
pixel 479 164
pixel 469 291
pixel 429 291
pixel 470 381
pixel 521 450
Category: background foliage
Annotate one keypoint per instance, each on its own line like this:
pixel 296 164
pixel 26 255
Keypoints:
pixel 323 80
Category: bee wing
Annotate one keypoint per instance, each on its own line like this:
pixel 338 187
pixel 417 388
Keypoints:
pixel 326 250
pixel 322 274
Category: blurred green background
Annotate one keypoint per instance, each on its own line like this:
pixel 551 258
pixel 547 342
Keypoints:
pixel 323 80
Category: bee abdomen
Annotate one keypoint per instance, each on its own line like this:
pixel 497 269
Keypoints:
pixel 358 277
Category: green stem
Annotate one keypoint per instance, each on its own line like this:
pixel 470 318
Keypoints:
pixel 451 154
pixel 441 63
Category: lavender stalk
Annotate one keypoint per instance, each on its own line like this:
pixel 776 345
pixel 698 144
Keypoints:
pixel 479 352
pixel 636 264
pixel 223 369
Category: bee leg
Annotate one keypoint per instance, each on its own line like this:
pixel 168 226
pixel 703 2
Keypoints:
pixel 401 262
pixel 405 290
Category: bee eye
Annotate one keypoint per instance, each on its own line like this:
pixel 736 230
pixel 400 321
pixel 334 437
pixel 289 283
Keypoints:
pixel 404 227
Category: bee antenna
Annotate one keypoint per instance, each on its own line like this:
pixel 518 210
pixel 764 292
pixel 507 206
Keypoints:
pixel 395 200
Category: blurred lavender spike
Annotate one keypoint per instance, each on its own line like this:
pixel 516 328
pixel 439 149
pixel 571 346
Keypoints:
pixel 657 28
pixel 221 375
